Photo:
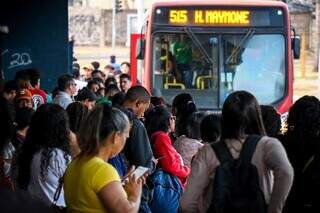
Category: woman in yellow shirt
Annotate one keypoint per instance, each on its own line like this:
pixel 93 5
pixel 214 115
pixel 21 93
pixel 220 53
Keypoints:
pixel 90 183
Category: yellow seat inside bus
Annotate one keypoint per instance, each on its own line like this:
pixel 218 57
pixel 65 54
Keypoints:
pixel 167 84
pixel 205 82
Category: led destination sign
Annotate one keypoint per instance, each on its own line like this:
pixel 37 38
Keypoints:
pixel 209 16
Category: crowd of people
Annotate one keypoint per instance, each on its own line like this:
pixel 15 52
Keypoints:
pixel 78 148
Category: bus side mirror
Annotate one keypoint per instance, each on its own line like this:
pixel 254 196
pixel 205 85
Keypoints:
pixel 295 41
pixel 140 48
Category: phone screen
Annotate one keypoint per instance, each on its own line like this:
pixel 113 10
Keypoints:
pixel 140 171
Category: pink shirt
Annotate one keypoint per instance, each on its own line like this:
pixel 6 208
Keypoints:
pixel 187 148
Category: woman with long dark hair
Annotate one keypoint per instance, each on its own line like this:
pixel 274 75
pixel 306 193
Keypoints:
pixel 45 154
pixel 171 173
pixel 77 112
pixel 241 119
pixel 90 183
pixel 159 123
pixel 302 142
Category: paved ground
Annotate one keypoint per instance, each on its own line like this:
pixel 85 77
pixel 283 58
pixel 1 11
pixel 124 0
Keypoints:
pixel 302 86
pixel 306 86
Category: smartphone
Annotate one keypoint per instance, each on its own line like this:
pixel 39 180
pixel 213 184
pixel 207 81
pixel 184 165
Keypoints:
pixel 138 172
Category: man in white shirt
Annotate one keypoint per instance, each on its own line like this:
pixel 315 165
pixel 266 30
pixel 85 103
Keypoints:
pixel 68 89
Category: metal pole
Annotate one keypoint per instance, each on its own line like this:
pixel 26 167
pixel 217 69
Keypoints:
pixel 303 56
pixel 140 11
pixel 113 24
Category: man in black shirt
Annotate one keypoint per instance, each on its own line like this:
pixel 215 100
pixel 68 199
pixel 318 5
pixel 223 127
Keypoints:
pixel 138 150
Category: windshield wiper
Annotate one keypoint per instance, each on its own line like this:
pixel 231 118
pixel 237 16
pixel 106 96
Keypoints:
pixel 243 40
pixel 196 41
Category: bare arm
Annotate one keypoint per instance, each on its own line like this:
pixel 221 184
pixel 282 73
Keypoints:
pixel 74 147
pixel 113 198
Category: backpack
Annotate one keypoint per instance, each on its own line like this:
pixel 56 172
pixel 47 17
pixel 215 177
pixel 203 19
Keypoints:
pixel 236 182
pixel 167 192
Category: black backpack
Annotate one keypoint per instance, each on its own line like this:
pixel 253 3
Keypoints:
pixel 236 186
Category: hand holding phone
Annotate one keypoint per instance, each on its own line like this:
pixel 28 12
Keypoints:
pixel 138 172
pixel 133 182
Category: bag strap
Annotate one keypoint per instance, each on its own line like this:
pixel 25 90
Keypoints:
pixel 308 163
pixel 58 191
pixel 222 152
pixel 249 147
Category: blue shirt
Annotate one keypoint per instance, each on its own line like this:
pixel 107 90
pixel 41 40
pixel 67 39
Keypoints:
pixel 63 99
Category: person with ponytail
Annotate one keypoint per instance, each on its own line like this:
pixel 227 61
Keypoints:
pixel 188 145
pixel 90 183
pixel 182 107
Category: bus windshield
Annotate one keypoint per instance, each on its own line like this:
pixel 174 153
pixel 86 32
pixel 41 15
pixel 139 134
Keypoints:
pixel 211 66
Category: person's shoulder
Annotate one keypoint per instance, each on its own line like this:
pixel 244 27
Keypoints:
pixel 103 168
pixel 41 92
pixel 99 163
pixel 269 140
pixel 58 96
pixel 206 155
pixel 269 143
pixel 137 123
pixel 207 148
pixel 61 155
pixel 104 175
pixel 160 135
pixel 90 165
pixel 180 141
pixel 185 139
pixel 38 96
pixel 129 112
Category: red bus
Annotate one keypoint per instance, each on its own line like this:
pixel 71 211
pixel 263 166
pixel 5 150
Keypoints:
pixel 212 48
